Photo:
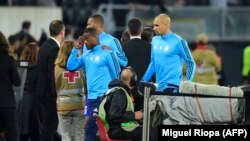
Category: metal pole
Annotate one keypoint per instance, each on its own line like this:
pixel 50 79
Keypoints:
pixel 146 117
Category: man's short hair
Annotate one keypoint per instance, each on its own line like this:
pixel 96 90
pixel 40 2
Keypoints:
pixel 91 31
pixel 55 27
pixel 12 39
pixel 98 18
pixel 125 36
pixel 26 25
pixel 134 26
pixel 147 34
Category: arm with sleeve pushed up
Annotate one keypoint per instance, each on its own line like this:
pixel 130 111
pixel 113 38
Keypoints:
pixel 116 47
pixel 74 62
pixel 113 65
pixel 189 60
pixel 117 110
pixel 151 68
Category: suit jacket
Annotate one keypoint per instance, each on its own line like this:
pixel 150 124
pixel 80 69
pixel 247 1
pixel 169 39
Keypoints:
pixel 8 76
pixel 138 53
pixel 46 60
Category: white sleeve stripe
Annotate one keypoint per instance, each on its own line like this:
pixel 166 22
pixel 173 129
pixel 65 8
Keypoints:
pixel 121 54
pixel 189 64
pixel 117 67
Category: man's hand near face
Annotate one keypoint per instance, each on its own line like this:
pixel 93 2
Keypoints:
pixel 80 42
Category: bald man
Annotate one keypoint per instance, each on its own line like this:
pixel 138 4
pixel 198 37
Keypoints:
pixel 97 22
pixel 117 109
pixel 167 54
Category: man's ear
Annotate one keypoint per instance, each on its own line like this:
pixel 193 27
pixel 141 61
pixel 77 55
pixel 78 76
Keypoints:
pixel 62 33
pixel 96 26
pixel 141 30
pixel 128 31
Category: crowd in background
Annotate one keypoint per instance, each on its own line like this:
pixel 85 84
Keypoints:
pixel 84 8
pixel 23 46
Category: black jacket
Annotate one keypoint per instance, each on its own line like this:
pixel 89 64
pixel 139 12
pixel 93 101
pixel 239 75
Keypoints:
pixel 46 60
pixel 115 107
pixel 28 99
pixel 138 53
pixel 8 76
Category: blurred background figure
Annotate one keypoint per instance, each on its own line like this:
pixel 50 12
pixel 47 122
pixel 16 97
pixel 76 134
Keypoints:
pixel 8 76
pixel 220 74
pixel 125 37
pixel 24 36
pixel 207 62
pixel 28 119
pixel 43 38
pixel 147 34
pixel 69 33
pixel 14 44
pixel 246 66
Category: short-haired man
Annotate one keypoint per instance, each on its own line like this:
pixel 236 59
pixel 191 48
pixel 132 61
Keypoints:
pixel 46 83
pixel 137 50
pixel 138 53
pixel 96 21
pixel 100 66
pixel 14 45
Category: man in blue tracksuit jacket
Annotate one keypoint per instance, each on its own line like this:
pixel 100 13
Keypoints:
pixel 97 22
pixel 101 66
pixel 167 54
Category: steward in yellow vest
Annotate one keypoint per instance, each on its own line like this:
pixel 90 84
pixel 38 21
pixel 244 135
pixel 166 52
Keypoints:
pixel 117 109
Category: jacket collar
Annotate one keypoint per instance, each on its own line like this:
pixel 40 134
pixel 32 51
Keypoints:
pixel 118 83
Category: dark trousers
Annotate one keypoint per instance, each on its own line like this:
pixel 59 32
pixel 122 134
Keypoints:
pixel 49 118
pixel 139 101
pixel 171 88
pixel 28 137
pixel 34 123
pixel 135 135
pixel 91 127
pixel 9 123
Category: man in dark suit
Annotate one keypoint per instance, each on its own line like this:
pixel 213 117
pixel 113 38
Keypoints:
pixel 138 53
pixel 46 83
